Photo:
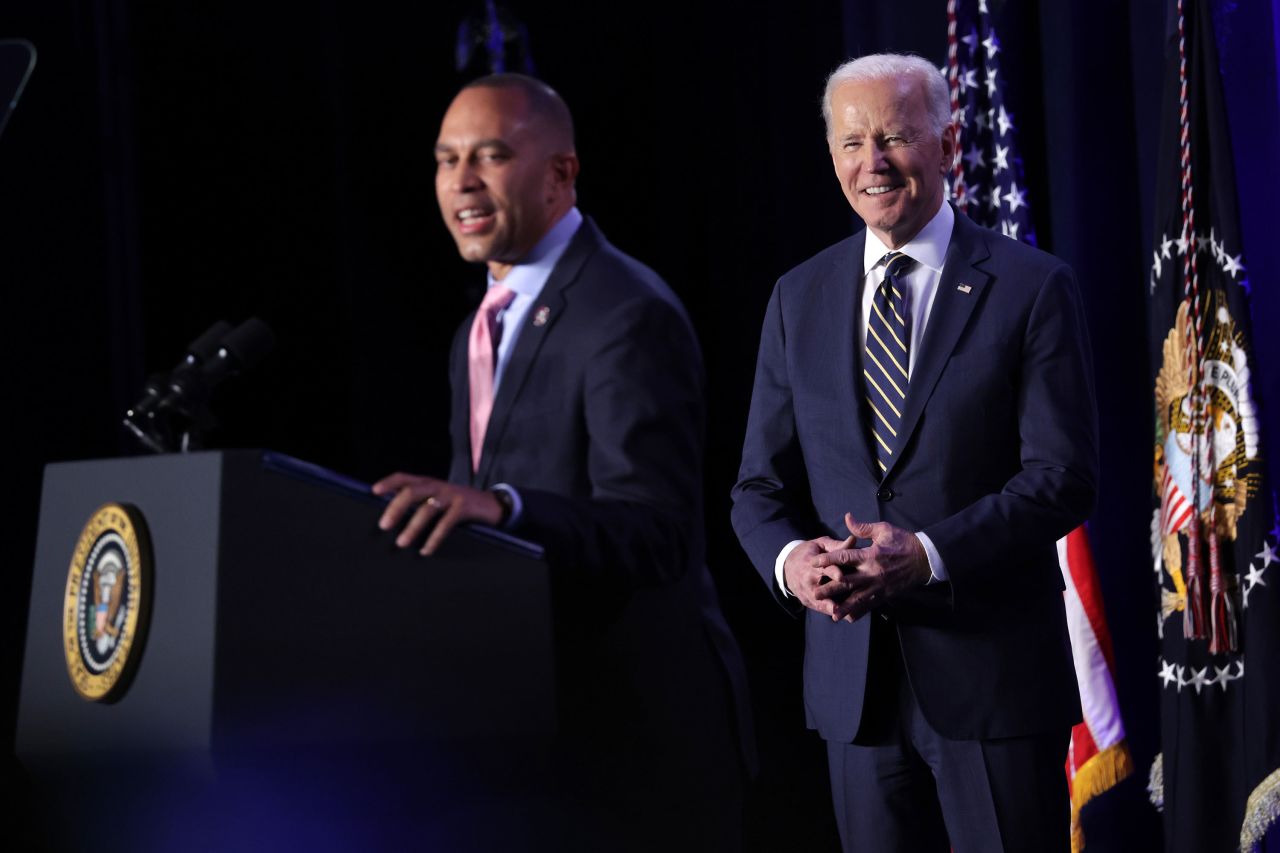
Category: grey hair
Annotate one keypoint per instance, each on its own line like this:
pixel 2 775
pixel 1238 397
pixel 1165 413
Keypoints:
pixel 881 66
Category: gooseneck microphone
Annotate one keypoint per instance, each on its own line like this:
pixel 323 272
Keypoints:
pixel 172 407
pixel 198 351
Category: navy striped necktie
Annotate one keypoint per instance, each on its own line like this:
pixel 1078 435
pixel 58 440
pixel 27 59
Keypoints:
pixel 887 352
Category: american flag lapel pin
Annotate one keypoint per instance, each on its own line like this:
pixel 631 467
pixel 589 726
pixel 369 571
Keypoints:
pixel 540 316
pixel 964 288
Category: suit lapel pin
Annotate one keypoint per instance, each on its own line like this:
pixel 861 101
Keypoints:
pixel 540 316
pixel 964 288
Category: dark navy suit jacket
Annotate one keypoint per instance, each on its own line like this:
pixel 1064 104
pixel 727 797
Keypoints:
pixel 598 423
pixel 996 459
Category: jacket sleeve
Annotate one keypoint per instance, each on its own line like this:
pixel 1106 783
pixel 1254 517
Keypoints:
pixel 1055 487
pixel 643 402
pixel 771 501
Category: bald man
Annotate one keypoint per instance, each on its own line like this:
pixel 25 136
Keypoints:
pixel 577 422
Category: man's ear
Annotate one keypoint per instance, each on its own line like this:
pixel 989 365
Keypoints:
pixel 948 148
pixel 564 169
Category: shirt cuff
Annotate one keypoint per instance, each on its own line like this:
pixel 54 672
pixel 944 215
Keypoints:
pixel 779 563
pixel 936 567
pixel 517 505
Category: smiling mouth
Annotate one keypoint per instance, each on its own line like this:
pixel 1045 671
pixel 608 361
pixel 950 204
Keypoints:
pixel 873 191
pixel 473 219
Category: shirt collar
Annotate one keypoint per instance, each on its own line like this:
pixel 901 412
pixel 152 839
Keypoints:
pixel 928 248
pixel 527 277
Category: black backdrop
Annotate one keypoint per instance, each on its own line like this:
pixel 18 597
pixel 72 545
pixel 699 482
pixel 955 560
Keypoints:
pixel 173 164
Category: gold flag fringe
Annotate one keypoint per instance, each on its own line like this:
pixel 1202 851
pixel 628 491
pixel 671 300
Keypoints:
pixel 1261 812
pixel 1100 773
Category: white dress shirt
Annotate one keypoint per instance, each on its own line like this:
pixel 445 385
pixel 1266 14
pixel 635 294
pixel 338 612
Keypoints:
pixel 929 250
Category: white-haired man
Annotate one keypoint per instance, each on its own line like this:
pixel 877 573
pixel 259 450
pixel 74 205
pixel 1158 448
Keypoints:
pixel 922 431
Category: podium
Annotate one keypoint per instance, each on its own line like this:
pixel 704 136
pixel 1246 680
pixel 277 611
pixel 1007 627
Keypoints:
pixel 300 679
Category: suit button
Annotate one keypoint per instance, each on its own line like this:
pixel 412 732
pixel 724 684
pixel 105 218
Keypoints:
pixel 885 494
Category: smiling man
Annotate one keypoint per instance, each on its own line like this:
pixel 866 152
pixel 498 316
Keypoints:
pixel 577 422
pixel 922 431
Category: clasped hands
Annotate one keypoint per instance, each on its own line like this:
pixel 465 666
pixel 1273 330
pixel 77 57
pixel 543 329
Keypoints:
pixel 835 578
pixel 448 504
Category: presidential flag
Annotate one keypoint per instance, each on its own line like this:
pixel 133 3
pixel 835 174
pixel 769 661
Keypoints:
pixel 1214 527
pixel 987 183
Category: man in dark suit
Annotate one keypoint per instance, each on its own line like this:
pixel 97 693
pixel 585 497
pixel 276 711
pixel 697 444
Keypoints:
pixel 577 422
pixel 922 431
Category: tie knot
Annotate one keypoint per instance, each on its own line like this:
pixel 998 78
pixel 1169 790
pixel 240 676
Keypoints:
pixel 895 264
pixel 496 298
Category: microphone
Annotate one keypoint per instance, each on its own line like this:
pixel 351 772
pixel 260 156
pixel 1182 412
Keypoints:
pixel 198 351
pixel 140 420
pixel 174 403
pixel 238 350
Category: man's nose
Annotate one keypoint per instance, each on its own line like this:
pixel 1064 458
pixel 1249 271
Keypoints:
pixel 874 154
pixel 466 178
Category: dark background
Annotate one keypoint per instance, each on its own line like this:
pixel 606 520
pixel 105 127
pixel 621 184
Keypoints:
pixel 174 164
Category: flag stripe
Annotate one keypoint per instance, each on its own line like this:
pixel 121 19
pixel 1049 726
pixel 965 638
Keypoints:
pixel 1090 641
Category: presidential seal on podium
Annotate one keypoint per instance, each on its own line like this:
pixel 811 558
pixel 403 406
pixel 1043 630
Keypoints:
pixel 107 602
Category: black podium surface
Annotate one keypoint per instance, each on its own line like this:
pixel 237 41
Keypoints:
pixel 301 677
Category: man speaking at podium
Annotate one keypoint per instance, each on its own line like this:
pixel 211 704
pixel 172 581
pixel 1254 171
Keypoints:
pixel 577 422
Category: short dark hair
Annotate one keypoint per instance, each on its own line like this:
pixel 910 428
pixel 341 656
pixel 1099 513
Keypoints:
pixel 544 101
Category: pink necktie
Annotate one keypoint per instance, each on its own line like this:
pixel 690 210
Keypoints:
pixel 481 348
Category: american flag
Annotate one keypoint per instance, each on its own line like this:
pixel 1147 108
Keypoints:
pixel 987 181
pixel 988 184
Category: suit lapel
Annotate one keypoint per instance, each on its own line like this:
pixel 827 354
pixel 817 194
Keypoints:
pixel 850 386
pixel 547 309
pixel 959 291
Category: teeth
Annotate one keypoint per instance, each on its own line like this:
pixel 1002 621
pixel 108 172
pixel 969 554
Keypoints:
pixel 877 190
pixel 471 213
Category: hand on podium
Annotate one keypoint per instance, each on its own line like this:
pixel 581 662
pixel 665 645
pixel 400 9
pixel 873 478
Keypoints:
pixel 447 504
